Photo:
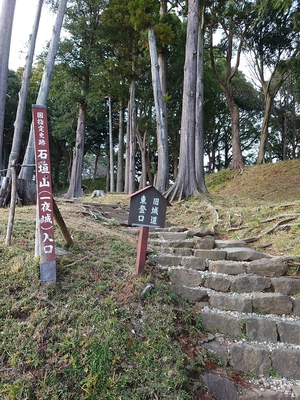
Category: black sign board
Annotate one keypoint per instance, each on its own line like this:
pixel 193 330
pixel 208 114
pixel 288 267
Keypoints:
pixel 148 208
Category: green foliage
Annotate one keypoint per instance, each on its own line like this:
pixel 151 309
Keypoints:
pixel 141 12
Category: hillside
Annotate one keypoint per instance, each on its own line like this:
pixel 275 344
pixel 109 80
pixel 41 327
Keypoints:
pixel 96 334
pixel 260 204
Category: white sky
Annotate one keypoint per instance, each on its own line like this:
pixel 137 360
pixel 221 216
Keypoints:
pixel 23 21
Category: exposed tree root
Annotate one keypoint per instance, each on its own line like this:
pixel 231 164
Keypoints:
pixel 281 225
pixel 279 216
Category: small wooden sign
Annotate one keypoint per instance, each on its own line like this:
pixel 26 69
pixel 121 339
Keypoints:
pixel 147 210
pixel 44 195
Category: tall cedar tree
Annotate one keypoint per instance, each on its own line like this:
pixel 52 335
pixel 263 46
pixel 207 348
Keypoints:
pixel 6 23
pixel 185 184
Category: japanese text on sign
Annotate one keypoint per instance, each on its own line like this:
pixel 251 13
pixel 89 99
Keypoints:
pixel 143 208
pixel 44 186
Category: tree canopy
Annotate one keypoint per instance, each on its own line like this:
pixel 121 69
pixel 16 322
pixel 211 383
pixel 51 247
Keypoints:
pixel 134 81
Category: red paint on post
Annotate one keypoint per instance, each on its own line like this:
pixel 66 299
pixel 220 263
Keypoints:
pixel 142 249
pixel 44 194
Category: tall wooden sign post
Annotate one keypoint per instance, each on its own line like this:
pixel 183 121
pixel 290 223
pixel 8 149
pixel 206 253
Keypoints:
pixel 45 229
pixel 147 210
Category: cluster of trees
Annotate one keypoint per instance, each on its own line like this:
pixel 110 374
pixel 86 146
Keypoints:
pixel 153 90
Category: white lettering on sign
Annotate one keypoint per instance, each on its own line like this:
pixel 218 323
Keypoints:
pixel 43 154
pixel 153 220
pixel 43 167
pixel 44 182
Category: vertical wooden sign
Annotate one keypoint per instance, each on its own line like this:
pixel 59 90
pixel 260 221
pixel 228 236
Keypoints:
pixel 44 195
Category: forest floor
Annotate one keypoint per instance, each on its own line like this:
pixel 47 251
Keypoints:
pixel 95 334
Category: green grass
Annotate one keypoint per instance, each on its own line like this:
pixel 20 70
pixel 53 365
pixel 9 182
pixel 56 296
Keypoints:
pixel 90 336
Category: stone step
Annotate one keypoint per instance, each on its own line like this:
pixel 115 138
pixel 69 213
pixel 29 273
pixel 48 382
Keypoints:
pixel 227 253
pixel 257 359
pixel 254 327
pixel 244 293
pixel 223 387
pixel 245 297
pixel 267 267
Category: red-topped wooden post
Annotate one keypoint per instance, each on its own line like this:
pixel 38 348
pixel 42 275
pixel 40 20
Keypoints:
pixel 147 210
pixel 142 250
pixel 44 195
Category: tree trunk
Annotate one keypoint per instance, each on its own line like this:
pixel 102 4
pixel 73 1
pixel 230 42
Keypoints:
pixel 111 150
pixel 27 172
pixel 12 203
pixel 5 189
pixel 142 145
pixel 199 129
pixel 76 173
pixel 186 184
pixel 6 23
pixel 19 122
pixel 97 154
pixel 264 129
pixel 131 142
pixel 161 117
pixel 237 157
pixel 27 192
pixel 120 149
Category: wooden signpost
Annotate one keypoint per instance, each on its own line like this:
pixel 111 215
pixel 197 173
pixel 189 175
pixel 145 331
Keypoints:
pixel 147 210
pixel 45 229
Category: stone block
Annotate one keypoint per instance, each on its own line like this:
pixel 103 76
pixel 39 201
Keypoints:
pixel 272 303
pixel 220 387
pixel 250 359
pixel 261 329
pixel 218 282
pixel 267 267
pixel 224 301
pixel 289 331
pixel 186 277
pixel 265 394
pixel 168 260
pixel 247 283
pixel 201 232
pixel 185 244
pixel 152 234
pixel 211 254
pixel 205 243
pixel 227 267
pixel 173 235
pixel 286 363
pixel 191 294
pixel 221 244
pixel 243 254
pixel 168 250
pixel 296 306
pixel 194 263
pixel 220 322
pixel 177 229
pixel 296 392
pixel 182 252
pixel 286 285
pixel 218 350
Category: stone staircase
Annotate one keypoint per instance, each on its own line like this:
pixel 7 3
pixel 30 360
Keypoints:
pixel 245 298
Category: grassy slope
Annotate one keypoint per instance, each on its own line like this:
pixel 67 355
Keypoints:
pixel 91 336
pixel 250 203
